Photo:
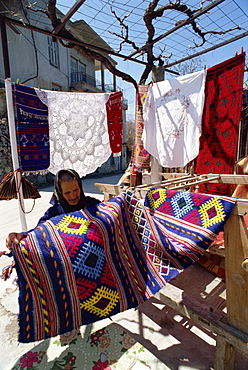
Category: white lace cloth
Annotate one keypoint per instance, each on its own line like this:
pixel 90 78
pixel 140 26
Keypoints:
pixel 172 119
pixel 78 130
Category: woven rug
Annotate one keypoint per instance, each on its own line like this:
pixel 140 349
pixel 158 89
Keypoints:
pixel 210 260
pixel 220 121
pixel 85 266
pixel 140 157
pixel 214 264
pixel 32 130
pixel 115 121
pixel 108 348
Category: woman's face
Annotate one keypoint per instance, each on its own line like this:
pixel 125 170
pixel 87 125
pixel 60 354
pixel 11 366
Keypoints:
pixel 70 191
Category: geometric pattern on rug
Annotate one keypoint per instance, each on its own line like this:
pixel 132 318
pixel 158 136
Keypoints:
pixel 85 266
pixel 220 122
pixel 32 129
pixel 140 158
pixel 115 121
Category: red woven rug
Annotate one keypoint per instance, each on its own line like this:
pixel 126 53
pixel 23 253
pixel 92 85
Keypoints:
pixel 115 121
pixel 220 121
pixel 140 157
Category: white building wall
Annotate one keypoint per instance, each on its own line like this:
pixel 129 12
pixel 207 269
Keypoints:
pixel 30 65
pixel 29 55
pixel 21 55
pixel 49 74
pixel 29 58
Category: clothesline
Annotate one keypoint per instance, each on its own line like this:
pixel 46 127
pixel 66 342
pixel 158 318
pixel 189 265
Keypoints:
pixel 176 124
pixel 66 129
pixel 35 129
pixel 68 149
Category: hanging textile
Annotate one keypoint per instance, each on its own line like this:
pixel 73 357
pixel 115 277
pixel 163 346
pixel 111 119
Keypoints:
pixel 221 119
pixel 172 119
pixel 115 122
pixel 32 130
pixel 88 265
pixel 78 130
pixel 140 157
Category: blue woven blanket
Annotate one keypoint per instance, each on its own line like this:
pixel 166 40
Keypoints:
pixel 81 267
pixel 32 129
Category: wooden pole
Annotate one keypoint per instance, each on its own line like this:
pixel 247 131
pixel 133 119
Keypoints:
pixel 11 121
pixel 156 168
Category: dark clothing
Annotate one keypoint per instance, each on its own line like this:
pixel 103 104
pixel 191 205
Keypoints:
pixel 59 204
pixel 83 202
pixel 57 209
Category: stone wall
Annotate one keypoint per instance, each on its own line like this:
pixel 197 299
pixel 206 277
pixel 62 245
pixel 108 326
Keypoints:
pixel 5 148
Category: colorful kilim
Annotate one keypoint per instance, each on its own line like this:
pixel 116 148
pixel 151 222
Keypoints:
pixel 115 121
pixel 220 121
pixel 214 263
pixel 32 129
pixel 140 157
pixel 88 265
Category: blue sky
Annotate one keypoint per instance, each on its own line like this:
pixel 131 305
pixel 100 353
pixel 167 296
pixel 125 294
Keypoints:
pixel 211 59
pixel 100 19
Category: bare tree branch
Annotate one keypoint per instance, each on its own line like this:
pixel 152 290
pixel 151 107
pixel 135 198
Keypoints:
pixel 203 34
pixel 150 14
pixel 30 7
pixel 125 37
pixel 88 53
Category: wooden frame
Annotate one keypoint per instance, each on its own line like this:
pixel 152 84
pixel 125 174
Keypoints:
pixel 230 327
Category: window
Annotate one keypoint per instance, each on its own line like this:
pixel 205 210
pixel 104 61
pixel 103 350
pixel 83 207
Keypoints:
pixel 53 52
pixel 81 67
pixel 82 71
pixel 73 65
pixel 78 71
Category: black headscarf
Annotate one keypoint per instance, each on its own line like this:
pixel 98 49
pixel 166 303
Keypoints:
pixel 85 201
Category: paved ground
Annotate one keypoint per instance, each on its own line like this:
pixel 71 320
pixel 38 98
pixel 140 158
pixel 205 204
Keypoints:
pixel 175 340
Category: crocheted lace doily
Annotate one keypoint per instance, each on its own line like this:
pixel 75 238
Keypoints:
pixel 78 130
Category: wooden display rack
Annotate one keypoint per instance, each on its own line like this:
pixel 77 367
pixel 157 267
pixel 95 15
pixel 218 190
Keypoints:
pixel 229 323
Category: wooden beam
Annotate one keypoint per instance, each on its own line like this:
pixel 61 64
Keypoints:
pixel 224 355
pixel 209 49
pixel 227 178
pixel 5 47
pixel 166 182
pixel 236 252
pixel 181 24
pixel 206 315
pixel 13 27
pixel 74 41
pixel 67 16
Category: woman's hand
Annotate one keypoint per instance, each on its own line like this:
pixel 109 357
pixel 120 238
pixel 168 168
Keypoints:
pixel 14 238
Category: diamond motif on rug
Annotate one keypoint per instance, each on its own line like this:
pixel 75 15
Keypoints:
pixel 211 212
pixel 68 222
pixel 102 302
pixel 181 204
pixel 90 260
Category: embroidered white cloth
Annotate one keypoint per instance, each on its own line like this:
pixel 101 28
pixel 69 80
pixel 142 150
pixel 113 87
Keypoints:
pixel 78 130
pixel 172 119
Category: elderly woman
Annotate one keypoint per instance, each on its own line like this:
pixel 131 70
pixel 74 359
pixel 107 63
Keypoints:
pixel 68 197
